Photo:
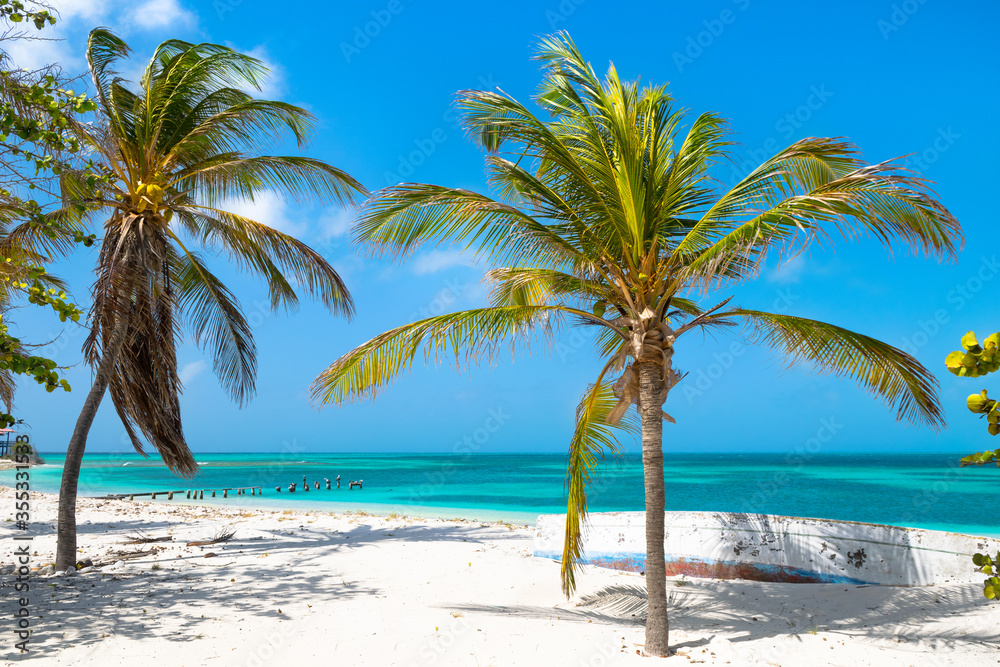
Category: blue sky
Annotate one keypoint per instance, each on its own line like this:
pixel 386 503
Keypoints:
pixel 896 78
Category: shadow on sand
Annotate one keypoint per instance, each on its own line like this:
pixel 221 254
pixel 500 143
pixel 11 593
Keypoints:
pixel 174 601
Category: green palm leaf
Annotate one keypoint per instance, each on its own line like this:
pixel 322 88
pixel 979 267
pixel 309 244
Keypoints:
pixel 468 336
pixel 592 438
pixel 884 371
pixel 218 323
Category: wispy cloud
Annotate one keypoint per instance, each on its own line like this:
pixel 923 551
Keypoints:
pixel 439 260
pixel 190 371
pixel 270 208
pixel 85 9
pixel 274 86
pixel 155 14
pixel 335 222
pixel 63 43
pixel 788 272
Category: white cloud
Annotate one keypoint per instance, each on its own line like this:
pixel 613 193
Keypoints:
pixel 268 207
pixel 439 260
pixel 155 14
pixel 788 272
pixel 273 87
pixel 64 42
pixel 85 9
pixel 335 223
pixel 190 371
pixel 36 54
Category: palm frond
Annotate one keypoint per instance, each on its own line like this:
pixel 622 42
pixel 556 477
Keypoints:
pixel 467 336
pixel 807 192
pixel 592 438
pixel 537 287
pixel 218 324
pixel 398 220
pixel 271 254
pixel 104 48
pixel 884 371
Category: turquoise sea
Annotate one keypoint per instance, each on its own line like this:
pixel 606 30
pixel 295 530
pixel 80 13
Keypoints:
pixel 919 490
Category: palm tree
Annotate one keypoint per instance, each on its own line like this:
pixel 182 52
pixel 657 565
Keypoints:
pixel 181 145
pixel 608 216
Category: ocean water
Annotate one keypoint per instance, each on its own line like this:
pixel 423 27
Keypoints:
pixel 918 490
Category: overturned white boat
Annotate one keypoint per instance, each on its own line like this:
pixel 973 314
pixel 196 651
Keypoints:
pixel 765 547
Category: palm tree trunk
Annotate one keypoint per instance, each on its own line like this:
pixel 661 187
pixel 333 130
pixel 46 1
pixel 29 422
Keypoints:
pixel 66 530
pixel 650 410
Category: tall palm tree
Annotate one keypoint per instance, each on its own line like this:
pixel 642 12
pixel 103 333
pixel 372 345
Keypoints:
pixel 179 146
pixel 608 216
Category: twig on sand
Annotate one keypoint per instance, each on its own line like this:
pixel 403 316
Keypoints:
pixel 115 556
pixel 223 535
pixel 140 536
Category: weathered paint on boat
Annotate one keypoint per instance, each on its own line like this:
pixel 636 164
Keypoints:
pixel 766 547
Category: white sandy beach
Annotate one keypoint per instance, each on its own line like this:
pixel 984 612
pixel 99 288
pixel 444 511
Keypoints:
pixel 309 588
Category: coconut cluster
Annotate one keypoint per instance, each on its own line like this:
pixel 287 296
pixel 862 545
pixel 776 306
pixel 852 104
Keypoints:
pixel 149 196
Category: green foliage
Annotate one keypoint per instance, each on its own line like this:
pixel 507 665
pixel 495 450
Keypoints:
pixel 982 458
pixel 989 566
pixel 37 116
pixel 15 12
pixel 976 360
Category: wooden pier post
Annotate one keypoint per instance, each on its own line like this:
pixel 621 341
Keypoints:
pixel 170 495
pixel 189 494
pixel 213 494
pixel 225 493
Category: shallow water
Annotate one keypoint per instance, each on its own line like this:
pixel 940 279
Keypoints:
pixel 919 490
